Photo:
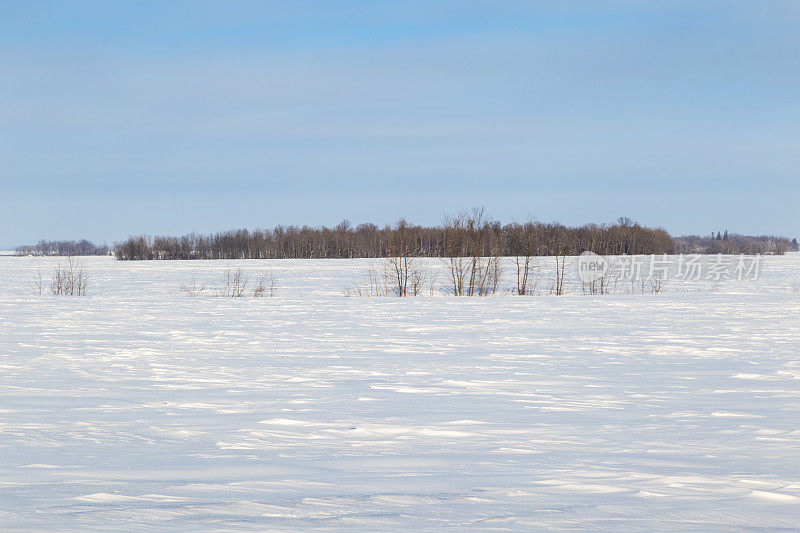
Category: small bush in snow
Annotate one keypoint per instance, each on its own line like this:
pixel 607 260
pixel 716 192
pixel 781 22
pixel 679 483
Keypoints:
pixel 236 284
pixel 69 279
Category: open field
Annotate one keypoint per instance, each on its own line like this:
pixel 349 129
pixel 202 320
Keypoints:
pixel 140 408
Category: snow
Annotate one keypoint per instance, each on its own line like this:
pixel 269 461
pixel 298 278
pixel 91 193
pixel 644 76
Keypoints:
pixel 141 408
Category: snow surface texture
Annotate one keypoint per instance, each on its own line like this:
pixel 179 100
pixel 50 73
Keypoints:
pixel 140 408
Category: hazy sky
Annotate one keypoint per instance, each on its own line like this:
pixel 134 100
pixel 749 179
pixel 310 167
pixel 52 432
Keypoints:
pixel 169 117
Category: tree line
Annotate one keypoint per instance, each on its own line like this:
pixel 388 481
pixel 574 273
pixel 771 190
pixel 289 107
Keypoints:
pixel 725 243
pixel 63 248
pixel 467 234
pixel 464 235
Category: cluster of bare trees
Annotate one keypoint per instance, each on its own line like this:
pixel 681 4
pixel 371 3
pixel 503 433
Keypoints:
pixel 464 235
pixel 607 284
pixel 63 248
pixel 387 280
pixel 401 274
pixel 404 276
pixel 473 252
pixel 374 283
pixel 234 284
pixel 725 243
pixel 67 279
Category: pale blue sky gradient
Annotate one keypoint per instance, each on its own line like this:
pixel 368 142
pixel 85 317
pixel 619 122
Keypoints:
pixel 170 117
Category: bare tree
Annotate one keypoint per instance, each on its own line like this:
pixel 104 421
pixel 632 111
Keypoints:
pixel 603 284
pixel 528 243
pixel 399 258
pixel 656 283
pixel 478 271
pixel 272 286
pixel 431 281
pixel 485 268
pixel 69 279
pixel 57 281
pixel 473 254
pixel 235 284
pixel 193 288
pixel 455 249
pixel 561 250
pixel 373 283
pixel 38 282
pixel 527 274
pixel 417 279
pixel 406 275
pixel 265 286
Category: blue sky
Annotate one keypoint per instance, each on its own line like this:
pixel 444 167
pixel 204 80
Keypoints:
pixel 170 117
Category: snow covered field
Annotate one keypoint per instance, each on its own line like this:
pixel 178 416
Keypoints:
pixel 140 408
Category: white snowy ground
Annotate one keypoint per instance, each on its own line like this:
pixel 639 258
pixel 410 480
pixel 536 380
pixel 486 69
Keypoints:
pixel 138 408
